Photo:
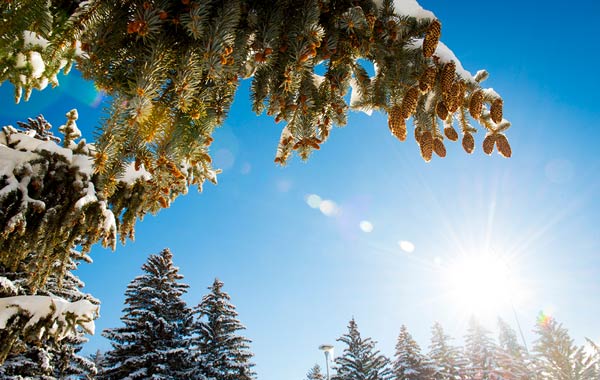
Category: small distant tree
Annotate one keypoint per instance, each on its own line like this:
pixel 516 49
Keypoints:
pixel 480 352
pixel 360 360
pixel 444 357
pixel 152 344
pixel 315 373
pixel 409 363
pixel 557 356
pixel 221 352
pixel 511 357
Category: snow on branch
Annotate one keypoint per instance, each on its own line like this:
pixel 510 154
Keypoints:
pixel 47 315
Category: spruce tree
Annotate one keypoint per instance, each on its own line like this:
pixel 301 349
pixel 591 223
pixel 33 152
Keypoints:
pixel 360 360
pixel 223 354
pixel 152 344
pixel 409 363
pixel 480 352
pixel 315 373
pixel 557 357
pixel 444 357
pixel 512 358
pixel 172 68
pixel 48 357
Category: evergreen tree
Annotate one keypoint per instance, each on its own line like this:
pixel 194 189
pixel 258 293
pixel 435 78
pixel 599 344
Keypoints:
pixel 409 363
pixel 444 357
pixel 315 373
pixel 172 69
pixel 152 344
pixel 556 355
pixel 223 354
pixel 479 353
pixel 511 357
pixel 49 357
pixel 360 360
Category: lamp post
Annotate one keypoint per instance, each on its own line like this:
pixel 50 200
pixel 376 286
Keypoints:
pixel 327 349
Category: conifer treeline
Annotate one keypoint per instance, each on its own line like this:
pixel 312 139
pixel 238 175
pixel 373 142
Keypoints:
pixel 554 356
pixel 163 338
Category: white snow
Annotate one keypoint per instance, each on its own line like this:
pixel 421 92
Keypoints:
pixel 89 197
pixel 7 284
pixel 318 79
pixel 21 60
pixel 64 314
pixel 109 225
pixel 355 97
pixel 29 143
pixel 409 8
pixel 37 64
pixel 84 162
pixel 131 175
pixel 445 55
pixel 32 39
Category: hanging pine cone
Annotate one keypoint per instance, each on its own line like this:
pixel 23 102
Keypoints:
pixel 396 122
pixel 488 143
pixel 439 148
pixel 418 135
pixel 468 143
pixel 426 146
pixel 496 110
pixel 447 77
pixel 476 104
pixel 503 146
pixel 409 102
pixel 432 38
pixel 451 133
pixel 427 79
pixel 455 96
pixel 441 110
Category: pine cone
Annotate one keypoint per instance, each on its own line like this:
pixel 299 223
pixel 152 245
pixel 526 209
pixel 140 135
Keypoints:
pixel 426 146
pixel 418 135
pixel 441 110
pixel 396 123
pixel 476 104
pixel 496 110
pixel 468 143
pixel 431 39
pixel 409 102
pixel 488 143
pixel 451 133
pixel 448 72
pixel 455 96
pixel 427 79
pixel 439 148
pixel 503 146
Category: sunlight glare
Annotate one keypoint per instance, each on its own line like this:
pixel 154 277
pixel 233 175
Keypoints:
pixel 480 285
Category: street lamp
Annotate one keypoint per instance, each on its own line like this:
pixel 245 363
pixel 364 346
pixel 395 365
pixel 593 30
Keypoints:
pixel 327 349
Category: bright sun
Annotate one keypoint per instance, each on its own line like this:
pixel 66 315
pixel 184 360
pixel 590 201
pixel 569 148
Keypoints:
pixel 480 285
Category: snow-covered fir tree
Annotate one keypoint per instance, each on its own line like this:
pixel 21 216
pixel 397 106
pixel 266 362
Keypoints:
pixel 445 358
pixel 221 352
pixel 480 352
pixel 360 360
pixel 511 357
pixel 558 357
pixel 409 363
pixel 315 373
pixel 50 357
pixel 153 343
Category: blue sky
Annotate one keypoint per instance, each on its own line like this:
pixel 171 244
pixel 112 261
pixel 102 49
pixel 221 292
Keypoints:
pixel 297 276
